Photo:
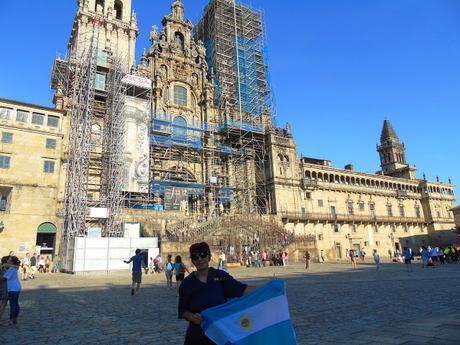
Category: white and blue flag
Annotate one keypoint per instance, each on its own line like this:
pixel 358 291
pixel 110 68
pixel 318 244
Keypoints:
pixel 260 317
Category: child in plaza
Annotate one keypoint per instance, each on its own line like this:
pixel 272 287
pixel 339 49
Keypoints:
pixel 14 288
pixel 138 264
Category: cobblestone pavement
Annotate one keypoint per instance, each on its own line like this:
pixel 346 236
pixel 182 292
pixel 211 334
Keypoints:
pixel 330 304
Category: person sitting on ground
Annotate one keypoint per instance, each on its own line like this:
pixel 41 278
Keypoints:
pixel 203 289
pixel 41 265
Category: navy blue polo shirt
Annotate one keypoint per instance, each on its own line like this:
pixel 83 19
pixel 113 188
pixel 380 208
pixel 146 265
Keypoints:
pixel 196 296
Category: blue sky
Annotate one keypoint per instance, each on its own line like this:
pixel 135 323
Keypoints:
pixel 338 69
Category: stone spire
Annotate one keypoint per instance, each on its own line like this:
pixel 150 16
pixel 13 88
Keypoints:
pixel 388 133
pixel 392 152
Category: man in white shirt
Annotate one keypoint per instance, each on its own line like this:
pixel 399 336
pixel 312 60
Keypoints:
pixel 25 266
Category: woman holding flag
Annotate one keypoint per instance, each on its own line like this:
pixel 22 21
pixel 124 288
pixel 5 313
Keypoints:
pixel 203 289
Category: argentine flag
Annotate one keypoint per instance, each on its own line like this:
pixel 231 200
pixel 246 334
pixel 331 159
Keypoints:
pixel 260 317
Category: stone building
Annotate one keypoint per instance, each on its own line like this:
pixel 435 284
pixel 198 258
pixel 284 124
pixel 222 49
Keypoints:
pixel 345 209
pixel 32 152
pixel 202 158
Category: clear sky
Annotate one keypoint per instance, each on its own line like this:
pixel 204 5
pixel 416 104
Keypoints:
pixel 338 69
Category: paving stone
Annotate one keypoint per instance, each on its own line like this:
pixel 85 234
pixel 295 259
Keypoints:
pixel 330 304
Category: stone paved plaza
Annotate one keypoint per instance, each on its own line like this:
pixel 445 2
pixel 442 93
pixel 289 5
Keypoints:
pixel 330 304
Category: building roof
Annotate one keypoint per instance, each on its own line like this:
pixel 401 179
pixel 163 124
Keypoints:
pixel 388 132
pixel 31 105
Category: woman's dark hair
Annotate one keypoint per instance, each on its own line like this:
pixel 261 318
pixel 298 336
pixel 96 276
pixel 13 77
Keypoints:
pixel 169 257
pixel 201 247
pixel 14 260
pixel 178 259
pixel 138 251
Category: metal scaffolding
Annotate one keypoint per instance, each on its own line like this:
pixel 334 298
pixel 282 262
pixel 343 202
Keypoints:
pixel 234 38
pixel 88 85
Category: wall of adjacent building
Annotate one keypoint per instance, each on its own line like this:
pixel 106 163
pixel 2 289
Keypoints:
pixel 35 195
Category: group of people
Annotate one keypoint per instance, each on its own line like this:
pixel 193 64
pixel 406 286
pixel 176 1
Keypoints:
pixel 255 258
pixel 177 268
pixel 30 265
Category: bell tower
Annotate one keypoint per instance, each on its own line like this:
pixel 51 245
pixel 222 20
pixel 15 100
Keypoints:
pixel 117 33
pixel 393 154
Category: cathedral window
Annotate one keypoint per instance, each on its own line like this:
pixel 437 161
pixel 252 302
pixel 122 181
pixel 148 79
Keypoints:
pixel 180 95
pixel 118 10
pixel 99 7
pixel 401 211
pixel 179 128
pixel 5 162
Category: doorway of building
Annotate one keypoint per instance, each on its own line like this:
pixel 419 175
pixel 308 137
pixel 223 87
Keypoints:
pixel 46 239
pixel 338 251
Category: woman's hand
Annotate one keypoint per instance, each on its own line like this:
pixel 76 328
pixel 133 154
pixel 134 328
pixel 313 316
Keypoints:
pixel 192 317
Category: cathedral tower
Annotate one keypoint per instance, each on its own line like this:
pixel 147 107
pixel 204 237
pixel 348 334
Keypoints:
pixel 117 33
pixel 393 154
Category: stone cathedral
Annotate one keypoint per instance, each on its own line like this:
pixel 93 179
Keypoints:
pixel 202 156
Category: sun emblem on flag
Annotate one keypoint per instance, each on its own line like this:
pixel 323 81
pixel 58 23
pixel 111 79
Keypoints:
pixel 246 322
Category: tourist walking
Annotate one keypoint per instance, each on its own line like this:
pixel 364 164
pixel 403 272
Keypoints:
pixel 14 288
pixel 407 254
pixel 425 257
pixel 440 255
pixel 376 256
pixel 25 263
pixel 352 258
pixel 307 257
pixel 434 255
pixel 138 264
pixel 203 289
pixel 169 268
pixel 363 254
pixel 222 259
pixel 180 269
pixel 56 264
pixel 33 266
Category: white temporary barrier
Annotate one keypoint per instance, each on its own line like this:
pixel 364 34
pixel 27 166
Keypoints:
pixel 108 253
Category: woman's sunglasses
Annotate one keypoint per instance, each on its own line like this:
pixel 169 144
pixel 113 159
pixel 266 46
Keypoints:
pixel 196 256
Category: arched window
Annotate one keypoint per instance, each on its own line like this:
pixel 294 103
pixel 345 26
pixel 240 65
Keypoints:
pixel 118 9
pixel 99 7
pixel 180 95
pixel 179 128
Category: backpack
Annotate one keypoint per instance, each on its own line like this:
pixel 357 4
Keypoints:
pixel 169 267
pixel 182 269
